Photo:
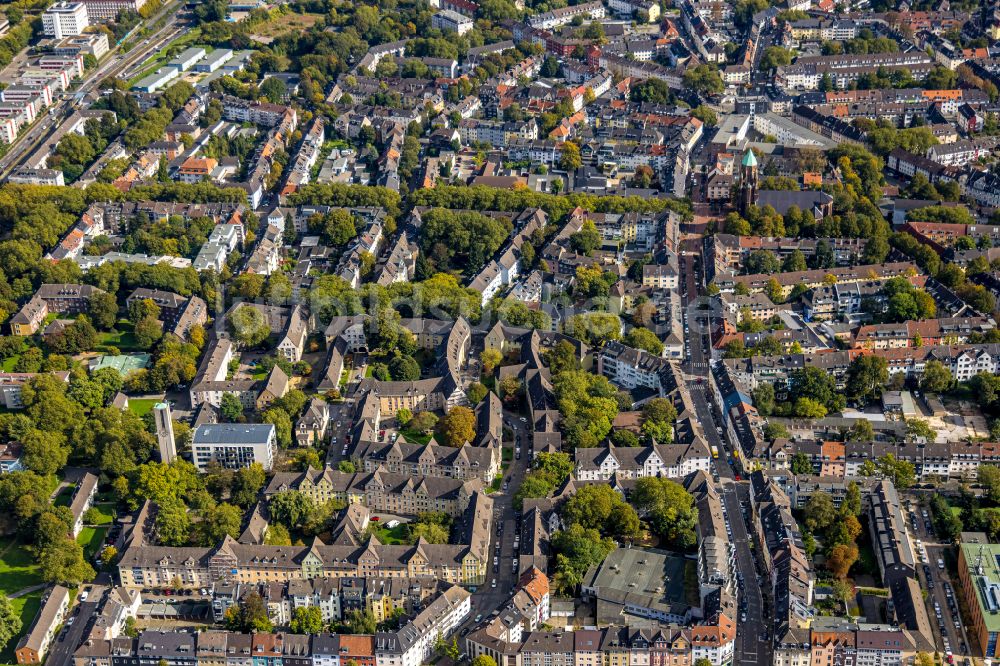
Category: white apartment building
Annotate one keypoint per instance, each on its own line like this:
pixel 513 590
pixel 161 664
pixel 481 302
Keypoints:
pixel 234 445
pixel 449 20
pixel 65 19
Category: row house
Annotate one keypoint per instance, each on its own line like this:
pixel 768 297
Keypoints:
pixel 144 565
pixel 949 331
pixel 380 491
pixel 663 460
pixel 401 457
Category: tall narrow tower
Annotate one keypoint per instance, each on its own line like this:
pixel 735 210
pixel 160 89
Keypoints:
pixel 165 432
pixel 748 181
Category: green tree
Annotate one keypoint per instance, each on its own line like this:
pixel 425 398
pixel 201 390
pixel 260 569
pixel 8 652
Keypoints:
pixel 249 326
pixel 10 623
pixel 63 563
pixel 487 660
pixel 247 484
pixel 862 431
pixel 775 56
pixel 404 369
pixel 423 421
pixel 217 522
pixel 936 378
pixel 800 463
pixel 577 549
pixel 602 508
pixel 44 452
pixel 989 477
pixel 173 525
pixel 643 338
pixel 291 509
pixel 103 310
pixel 704 79
pixel 587 239
pixel 669 509
pixel 900 472
pixel 230 407
pixel 706 115
pixel 490 359
pixel 476 393
pixel 819 512
pixel 569 156
pixel 866 376
pixel 307 620
pixel 851 505
pixel 658 417
pixel 250 615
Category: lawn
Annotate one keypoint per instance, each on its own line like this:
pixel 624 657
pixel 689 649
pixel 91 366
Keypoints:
pixel 141 406
pixel 18 569
pixel 65 497
pixel 92 540
pixel 26 607
pixel 9 363
pixel 121 337
pixel 102 514
pixel 416 436
pixel 392 536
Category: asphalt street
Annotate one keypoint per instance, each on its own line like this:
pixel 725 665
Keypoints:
pixel 69 639
pixel 751 646
pixel 930 575
pixel 487 598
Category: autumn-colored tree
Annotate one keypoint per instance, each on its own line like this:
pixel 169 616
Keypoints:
pixel 840 560
pixel 458 426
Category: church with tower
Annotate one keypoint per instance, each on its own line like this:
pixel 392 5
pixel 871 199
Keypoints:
pixel 749 182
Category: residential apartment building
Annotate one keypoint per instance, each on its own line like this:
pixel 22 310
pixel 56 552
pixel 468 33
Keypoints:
pixel 665 460
pixel 234 445
pixel 397 494
pixel 64 299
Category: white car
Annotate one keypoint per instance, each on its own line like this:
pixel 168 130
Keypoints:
pixel 494 583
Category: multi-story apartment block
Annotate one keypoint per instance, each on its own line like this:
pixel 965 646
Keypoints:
pixel 234 445
pixel 398 494
pixel 467 462
pixel 64 299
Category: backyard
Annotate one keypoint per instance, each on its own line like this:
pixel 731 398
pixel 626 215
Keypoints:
pixel 141 406
pixel 391 535
pixel 27 607
pixel 92 540
pixel 120 336
pixel 19 571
